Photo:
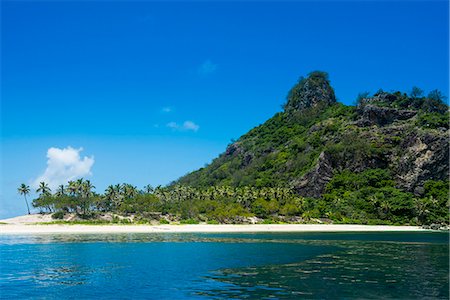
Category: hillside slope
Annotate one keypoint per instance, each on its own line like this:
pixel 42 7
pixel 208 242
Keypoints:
pixel 316 139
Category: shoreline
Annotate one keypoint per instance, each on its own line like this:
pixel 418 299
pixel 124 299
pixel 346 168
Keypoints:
pixel 30 224
pixel 11 229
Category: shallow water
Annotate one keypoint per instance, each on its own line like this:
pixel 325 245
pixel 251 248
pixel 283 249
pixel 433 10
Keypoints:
pixel 262 265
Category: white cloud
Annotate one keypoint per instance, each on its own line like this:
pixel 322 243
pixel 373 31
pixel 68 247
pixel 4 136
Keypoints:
pixel 64 165
pixel 189 125
pixel 173 125
pixel 166 109
pixel 186 126
pixel 207 67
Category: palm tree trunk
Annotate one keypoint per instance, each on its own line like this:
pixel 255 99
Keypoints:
pixel 28 208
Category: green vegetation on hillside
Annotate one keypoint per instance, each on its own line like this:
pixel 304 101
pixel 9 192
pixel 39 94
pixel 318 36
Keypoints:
pixel 367 198
pixel 383 161
pixel 284 147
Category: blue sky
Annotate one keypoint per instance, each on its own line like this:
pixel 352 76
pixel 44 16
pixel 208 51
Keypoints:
pixel 153 90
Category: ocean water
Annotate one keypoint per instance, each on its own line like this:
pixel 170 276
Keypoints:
pixel 218 266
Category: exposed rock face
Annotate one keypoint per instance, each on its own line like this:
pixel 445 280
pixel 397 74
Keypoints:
pixel 233 149
pixel 310 92
pixel 382 97
pixel 314 182
pixel 421 156
pixel 381 116
pixel 237 150
pixel 425 157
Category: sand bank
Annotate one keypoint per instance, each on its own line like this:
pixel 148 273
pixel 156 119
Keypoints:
pixel 24 225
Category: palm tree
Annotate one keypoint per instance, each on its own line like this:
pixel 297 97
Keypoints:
pixel 421 208
pixel 129 191
pixel 24 190
pixel 79 184
pixel 86 192
pixel 61 191
pixel 43 189
pixel 110 192
pixel 385 206
pixel 118 189
pixel 118 196
pixel 148 189
pixel 110 197
pixel 72 188
pixel 86 188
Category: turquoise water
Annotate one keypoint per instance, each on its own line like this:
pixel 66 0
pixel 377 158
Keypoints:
pixel 217 266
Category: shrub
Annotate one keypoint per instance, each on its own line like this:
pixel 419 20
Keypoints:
pixel 433 120
pixel 189 221
pixel 59 215
pixel 262 208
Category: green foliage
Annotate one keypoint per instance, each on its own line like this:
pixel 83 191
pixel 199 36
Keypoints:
pixel 436 95
pixel 368 197
pixel 292 207
pixel 433 103
pixel 416 93
pixel 361 97
pixel 371 195
pixel 24 190
pixel 355 148
pixel 263 208
pixel 434 206
pixel 270 221
pixel 59 215
pixel 433 120
pixel 189 221
pixel 351 181
pixel 45 202
pixel 270 155
pixel 228 213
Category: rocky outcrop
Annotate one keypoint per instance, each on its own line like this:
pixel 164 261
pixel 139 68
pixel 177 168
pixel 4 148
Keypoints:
pixel 309 92
pixel 314 182
pixel 381 116
pixel 234 149
pixel 423 157
pixel 419 157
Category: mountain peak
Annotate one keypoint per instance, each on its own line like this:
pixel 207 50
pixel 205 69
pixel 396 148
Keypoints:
pixel 311 91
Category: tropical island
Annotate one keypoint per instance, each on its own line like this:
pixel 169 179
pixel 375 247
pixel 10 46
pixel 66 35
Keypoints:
pixel 383 161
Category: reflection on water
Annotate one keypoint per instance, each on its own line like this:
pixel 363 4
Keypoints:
pixel 280 237
pixel 190 265
pixel 95 238
pixel 56 276
pixel 362 270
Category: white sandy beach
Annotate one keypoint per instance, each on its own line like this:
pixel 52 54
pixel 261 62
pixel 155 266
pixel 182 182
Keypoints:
pixel 25 225
pixel 43 229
